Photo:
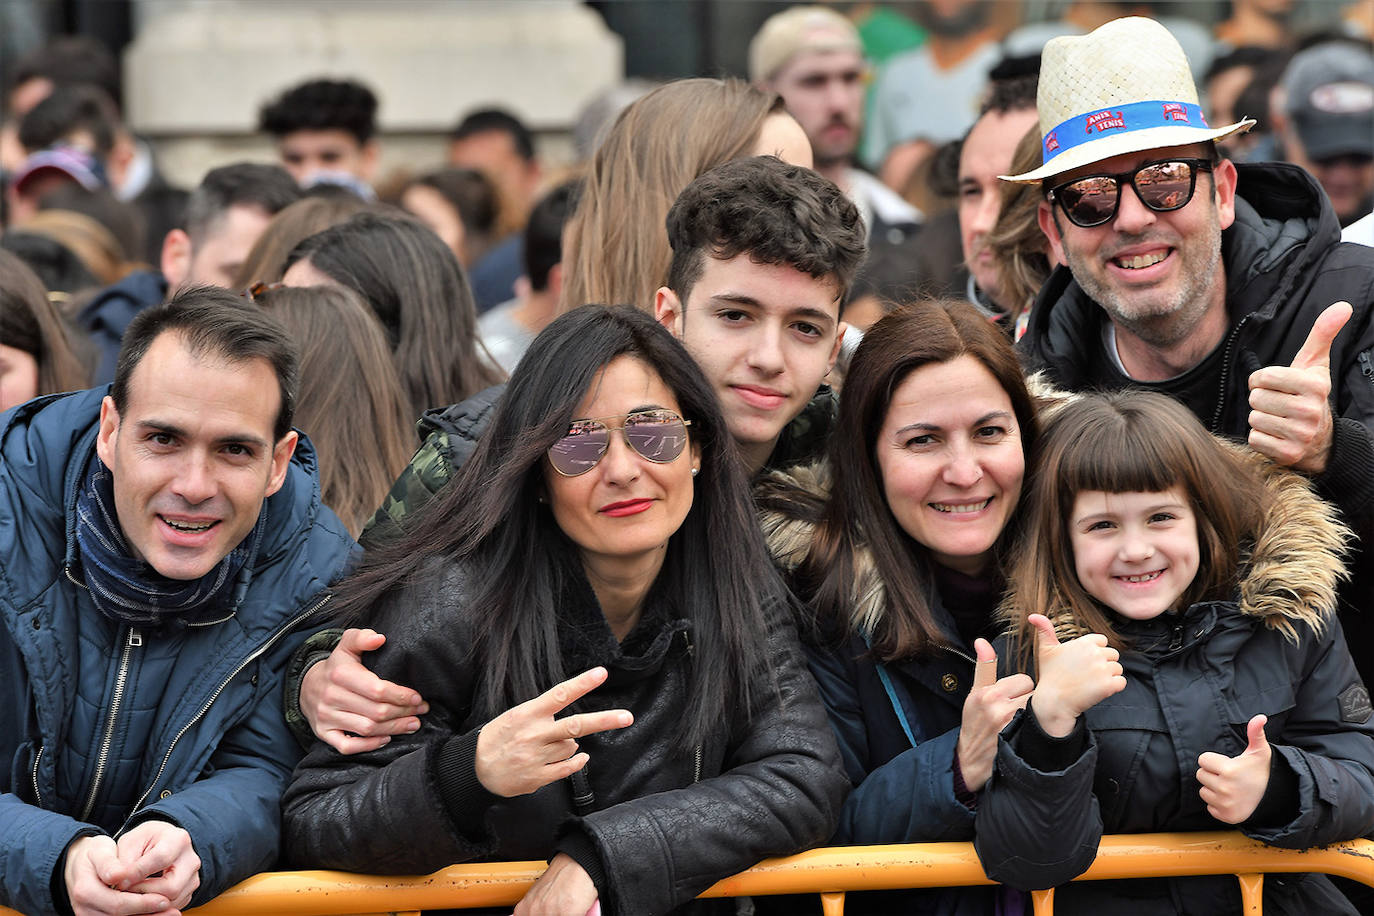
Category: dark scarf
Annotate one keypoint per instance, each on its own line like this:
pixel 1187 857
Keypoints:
pixel 129 591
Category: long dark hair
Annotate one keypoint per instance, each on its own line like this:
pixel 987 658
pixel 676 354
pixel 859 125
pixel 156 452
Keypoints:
pixel 906 339
pixel 418 290
pixel 490 517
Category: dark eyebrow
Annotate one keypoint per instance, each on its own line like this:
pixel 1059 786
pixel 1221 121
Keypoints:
pixel 171 429
pixel 935 427
pixel 741 299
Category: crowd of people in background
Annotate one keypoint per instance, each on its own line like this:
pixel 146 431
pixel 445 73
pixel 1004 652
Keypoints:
pixel 958 428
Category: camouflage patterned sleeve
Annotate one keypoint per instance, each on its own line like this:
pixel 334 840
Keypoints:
pixel 428 472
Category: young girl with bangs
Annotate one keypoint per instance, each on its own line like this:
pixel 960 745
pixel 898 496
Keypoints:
pixel 1174 600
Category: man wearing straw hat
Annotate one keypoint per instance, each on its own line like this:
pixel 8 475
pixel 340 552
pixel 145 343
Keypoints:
pixel 1206 280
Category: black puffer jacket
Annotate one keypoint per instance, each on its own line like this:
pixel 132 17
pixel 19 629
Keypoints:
pixel 664 825
pixel 1285 263
pixel 1193 682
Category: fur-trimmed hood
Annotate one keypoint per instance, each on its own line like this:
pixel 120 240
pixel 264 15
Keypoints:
pixel 791 505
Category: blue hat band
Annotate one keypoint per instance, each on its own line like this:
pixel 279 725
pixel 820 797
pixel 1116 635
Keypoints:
pixel 1120 119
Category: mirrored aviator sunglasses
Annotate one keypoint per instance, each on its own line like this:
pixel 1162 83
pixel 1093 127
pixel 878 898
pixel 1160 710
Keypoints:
pixel 1162 186
pixel 658 435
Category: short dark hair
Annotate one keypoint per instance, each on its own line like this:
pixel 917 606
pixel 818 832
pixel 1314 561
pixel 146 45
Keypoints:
pixel 544 232
pixel 774 212
pixel 322 105
pixel 486 120
pixel 214 322
pixel 254 184
pixel 69 60
pixel 69 109
pixel 1014 93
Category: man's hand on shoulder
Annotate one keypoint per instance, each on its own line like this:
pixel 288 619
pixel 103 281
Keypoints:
pixel 1290 408
pixel 91 873
pixel 350 708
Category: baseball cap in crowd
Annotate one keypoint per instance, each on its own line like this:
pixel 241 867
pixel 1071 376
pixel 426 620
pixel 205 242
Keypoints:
pixel 801 28
pixel 1329 96
pixel 1122 88
pixel 76 164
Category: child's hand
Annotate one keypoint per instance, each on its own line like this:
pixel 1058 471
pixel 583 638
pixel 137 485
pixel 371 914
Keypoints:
pixel 987 710
pixel 1073 676
pixel 1232 787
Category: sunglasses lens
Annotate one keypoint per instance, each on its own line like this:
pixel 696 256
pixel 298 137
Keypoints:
pixel 658 435
pixel 1090 201
pixel 1165 186
pixel 580 450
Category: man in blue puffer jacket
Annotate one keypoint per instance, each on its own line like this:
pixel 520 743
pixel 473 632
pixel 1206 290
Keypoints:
pixel 161 552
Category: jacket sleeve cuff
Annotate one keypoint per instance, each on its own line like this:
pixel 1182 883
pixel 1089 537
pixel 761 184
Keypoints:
pixel 1280 803
pixel 1346 480
pixel 577 845
pixel 315 649
pixel 1044 752
pixel 455 772
pixel 962 793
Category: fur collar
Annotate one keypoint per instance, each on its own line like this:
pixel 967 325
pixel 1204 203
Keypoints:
pixel 792 503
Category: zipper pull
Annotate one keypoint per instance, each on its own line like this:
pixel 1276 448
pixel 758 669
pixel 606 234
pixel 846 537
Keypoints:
pixel 1366 367
pixel 1176 642
pixel 135 638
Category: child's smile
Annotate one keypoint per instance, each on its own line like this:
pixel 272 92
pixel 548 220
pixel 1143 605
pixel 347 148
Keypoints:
pixel 1137 553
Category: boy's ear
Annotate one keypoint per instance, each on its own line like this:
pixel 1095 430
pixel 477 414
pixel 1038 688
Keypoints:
pixel 176 258
pixel 668 311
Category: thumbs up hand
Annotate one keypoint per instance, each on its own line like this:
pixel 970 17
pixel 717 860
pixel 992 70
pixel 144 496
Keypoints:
pixel 1290 414
pixel 1233 787
pixel 987 710
pixel 1074 676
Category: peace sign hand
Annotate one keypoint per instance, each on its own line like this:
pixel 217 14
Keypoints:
pixel 526 748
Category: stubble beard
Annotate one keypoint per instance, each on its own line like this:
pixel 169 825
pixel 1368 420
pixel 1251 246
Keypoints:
pixel 1166 322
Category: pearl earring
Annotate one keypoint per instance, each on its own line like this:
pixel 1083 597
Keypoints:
pixel 696 471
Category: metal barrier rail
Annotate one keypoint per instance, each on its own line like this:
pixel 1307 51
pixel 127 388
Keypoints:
pixel 829 872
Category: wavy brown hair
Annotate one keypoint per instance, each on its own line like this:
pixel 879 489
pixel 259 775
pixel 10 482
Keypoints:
pixel 350 402
pixel 615 247
pixel 266 260
pixel 1023 261
pixel 1128 441
pixel 30 322
pixel 909 337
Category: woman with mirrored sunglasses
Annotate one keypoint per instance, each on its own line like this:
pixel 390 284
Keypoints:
pixel 613 683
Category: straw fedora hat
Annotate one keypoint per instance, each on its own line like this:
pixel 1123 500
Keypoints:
pixel 1122 88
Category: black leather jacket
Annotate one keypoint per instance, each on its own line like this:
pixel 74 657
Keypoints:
pixel 664 824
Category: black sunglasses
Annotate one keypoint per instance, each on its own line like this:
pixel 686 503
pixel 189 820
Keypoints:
pixel 657 434
pixel 1162 186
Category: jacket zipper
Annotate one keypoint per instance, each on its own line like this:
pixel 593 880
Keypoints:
pixel 37 795
pixel 133 640
pixel 1367 367
pixel 691 650
pixel 286 628
pixel 1226 372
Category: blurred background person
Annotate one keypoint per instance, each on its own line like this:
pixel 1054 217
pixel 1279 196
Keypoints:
pixel 134 173
pixel 224 217
pixel 1327 127
pixel 293 224
pixel 461 205
pixel 39 353
pixel 508 329
pixel 987 152
pixel 350 402
pixel 325 130
pixel 416 288
pixel 1021 253
pixel 498 144
pixel 616 247
pixel 1256 24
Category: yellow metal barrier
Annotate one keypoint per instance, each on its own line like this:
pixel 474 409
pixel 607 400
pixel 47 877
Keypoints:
pixel 828 872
